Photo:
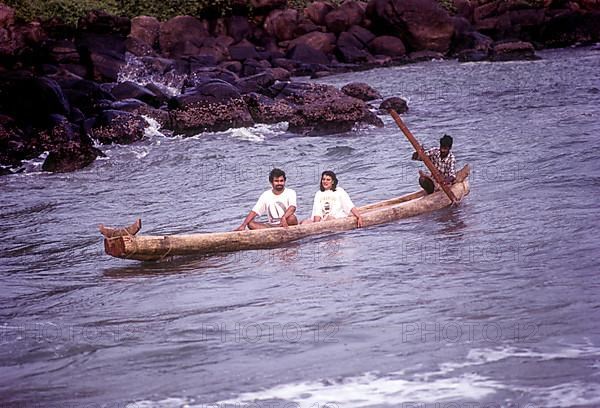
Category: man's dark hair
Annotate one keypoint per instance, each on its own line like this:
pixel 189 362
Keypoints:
pixel 334 180
pixel 446 141
pixel 276 173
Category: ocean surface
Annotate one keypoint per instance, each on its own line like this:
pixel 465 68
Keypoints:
pixel 494 303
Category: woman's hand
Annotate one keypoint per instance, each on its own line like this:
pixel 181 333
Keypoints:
pixel 359 221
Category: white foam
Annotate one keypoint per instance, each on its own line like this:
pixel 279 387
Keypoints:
pixel 369 389
pixel 136 71
pixel 568 395
pixel 34 166
pixel 141 152
pixel 166 403
pixel 246 134
pixel 256 133
pixel 153 129
pixel 481 356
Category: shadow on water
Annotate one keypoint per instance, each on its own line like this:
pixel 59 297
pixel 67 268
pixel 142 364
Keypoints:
pixel 306 250
pixel 451 220
pixel 169 266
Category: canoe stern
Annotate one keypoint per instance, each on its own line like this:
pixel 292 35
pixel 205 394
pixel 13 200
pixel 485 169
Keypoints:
pixel 115 247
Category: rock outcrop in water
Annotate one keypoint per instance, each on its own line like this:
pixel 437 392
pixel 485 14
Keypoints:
pixel 60 89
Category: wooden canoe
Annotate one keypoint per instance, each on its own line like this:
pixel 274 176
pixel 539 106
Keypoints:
pixel 152 248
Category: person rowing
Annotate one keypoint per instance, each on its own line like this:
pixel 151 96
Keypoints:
pixel 278 203
pixel 443 159
pixel 332 202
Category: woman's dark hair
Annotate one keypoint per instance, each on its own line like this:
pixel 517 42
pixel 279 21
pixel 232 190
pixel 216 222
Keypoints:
pixel 276 173
pixel 334 180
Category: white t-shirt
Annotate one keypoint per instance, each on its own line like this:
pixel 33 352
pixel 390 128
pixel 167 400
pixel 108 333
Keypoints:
pixel 275 205
pixel 332 204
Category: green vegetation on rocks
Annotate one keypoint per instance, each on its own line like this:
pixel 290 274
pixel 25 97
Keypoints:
pixel 70 11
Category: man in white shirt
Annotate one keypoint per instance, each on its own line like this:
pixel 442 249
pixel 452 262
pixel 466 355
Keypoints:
pixel 279 204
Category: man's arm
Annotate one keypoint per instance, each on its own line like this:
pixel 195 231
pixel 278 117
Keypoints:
pixel 290 210
pixel 251 215
pixel 452 169
pixel 416 156
pixel 316 212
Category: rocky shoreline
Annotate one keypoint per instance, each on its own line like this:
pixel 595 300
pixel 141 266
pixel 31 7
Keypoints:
pixel 60 89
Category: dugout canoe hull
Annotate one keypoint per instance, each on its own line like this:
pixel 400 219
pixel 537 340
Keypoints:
pixel 157 247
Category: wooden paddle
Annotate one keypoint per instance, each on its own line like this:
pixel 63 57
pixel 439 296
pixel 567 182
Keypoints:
pixel 434 170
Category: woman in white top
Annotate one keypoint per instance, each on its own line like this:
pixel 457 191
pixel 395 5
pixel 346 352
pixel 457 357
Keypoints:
pixel 332 201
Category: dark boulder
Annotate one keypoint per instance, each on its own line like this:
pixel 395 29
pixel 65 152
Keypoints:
pixel 324 42
pixel 19 42
pixel 396 103
pixel 313 70
pixel 127 105
pixel 200 76
pixel 253 67
pixel 139 49
pixel 201 61
pixel 317 11
pixel 282 24
pixel 280 74
pixel 569 27
pixel 7 16
pixel 206 91
pixel 387 45
pixel 238 28
pixel 472 55
pixel 69 148
pixel 514 50
pixel 63 51
pixel 362 34
pixel 351 50
pixel 159 66
pixel 13 147
pixel 113 126
pixel 243 51
pixel 496 27
pixel 31 99
pixel 145 30
pixel 234 66
pixel 182 36
pixel 322 109
pixel 307 54
pixel 466 38
pixel 213 51
pixel 102 54
pixel 266 110
pixel 361 90
pixel 214 105
pixel 422 24
pixel 128 89
pixel 88 96
pixel 425 55
pixel 258 83
pixel 288 64
pixel 70 157
pixel 464 9
pixel 348 14
pixel 306 26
